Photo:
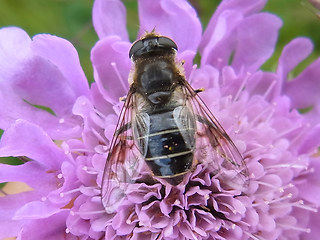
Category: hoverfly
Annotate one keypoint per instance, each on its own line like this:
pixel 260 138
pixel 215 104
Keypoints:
pixel 163 126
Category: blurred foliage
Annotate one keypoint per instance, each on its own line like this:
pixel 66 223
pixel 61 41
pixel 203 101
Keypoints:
pixel 299 19
pixel 71 19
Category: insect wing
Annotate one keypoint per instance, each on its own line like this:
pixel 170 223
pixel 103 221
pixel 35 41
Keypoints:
pixel 124 160
pixel 213 145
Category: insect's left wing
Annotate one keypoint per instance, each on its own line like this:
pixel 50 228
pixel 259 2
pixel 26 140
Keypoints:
pixel 213 146
pixel 124 161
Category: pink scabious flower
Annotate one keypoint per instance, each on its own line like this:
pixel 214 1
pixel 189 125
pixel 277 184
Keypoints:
pixel 65 149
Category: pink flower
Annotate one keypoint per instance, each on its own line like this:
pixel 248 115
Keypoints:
pixel 66 147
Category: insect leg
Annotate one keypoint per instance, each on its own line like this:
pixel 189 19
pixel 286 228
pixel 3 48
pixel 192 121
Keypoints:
pixel 199 90
pixel 123 99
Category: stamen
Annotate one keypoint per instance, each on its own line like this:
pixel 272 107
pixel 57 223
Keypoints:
pixel 116 70
pixel 281 189
pixel 258 145
pixel 301 133
pixel 287 165
pixel 257 149
pixel 194 67
pixel 253 236
pixel 290 130
pixel 267 119
pixel 69 122
pixel 266 184
pixel 242 86
pixel 292 227
pixel 98 135
pixel 90 170
pixel 62 194
pixel 78 150
pixel 299 204
pixel 269 89
pixel 73 213
pixel 307 171
pixel 270 110
pixel 273 201
pixel 279 199
pixel 101 149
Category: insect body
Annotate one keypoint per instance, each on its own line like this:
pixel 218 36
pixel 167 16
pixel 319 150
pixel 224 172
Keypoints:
pixel 163 124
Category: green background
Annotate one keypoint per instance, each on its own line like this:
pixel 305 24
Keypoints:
pixel 71 19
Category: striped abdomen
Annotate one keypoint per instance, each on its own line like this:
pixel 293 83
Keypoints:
pixel 170 147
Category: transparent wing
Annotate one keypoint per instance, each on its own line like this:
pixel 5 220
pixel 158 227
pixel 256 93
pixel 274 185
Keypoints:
pixel 213 145
pixel 125 159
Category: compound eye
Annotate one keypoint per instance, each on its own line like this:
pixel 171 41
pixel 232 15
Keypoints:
pixel 136 47
pixel 167 42
pixel 151 44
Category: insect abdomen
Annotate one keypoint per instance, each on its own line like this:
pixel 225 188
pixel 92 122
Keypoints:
pixel 169 154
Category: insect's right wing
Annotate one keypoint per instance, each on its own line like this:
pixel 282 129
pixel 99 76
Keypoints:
pixel 125 158
pixel 214 147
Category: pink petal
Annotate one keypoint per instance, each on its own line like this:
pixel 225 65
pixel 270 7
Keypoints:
pixel 311 141
pixel 219 46
pixel 27 139
pixel 109 18
pixel 51 76
pixel 242 7
pixel 101 104
pixel 204 77
pixel 173 18
pixel 39 75
pixel 238 37
pixel 111 67
pixel 9 228
pixel 263 83
pixel 293 53
pixel 9 205
pixel 14 45
pixel 304 89
pixel 13 107
pixel 314 226
pixel 64 56
pixel 30 173
pixel 309 188
pixel 256 40
pixel 35 210
pixel 51 228
pixel 187 58
pixel 39 82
